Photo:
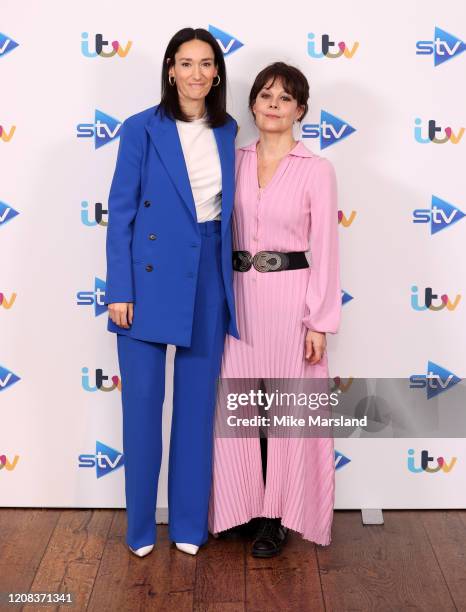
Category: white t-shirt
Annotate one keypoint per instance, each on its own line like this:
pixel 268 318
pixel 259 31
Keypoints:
pixel 203 164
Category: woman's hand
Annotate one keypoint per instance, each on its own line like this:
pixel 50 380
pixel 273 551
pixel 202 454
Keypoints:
pixel 121 313
pixel 316 343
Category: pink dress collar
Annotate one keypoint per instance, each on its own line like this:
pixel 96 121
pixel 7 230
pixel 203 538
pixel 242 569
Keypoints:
pixel 299 150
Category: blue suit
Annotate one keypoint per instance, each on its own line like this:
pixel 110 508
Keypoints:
pixel 178 274
pixel 151 195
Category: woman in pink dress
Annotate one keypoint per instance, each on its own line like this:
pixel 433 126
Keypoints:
pixel 286 200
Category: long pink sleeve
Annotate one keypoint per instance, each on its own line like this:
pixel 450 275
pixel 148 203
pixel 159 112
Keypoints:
pixel 323 296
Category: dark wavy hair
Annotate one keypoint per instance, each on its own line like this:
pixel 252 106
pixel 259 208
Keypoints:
pixel 216 99
pixel 293 80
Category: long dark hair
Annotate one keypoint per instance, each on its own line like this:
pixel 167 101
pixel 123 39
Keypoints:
pixel 216 99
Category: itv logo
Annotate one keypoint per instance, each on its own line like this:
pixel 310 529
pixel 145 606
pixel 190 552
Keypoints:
pixel 430 297
pixel 329 49
pixel 100 379
pixel 8 464
pixel 340 385
pixel 105 129
pixel 344 220
pixel 426 459
pixel 434 133
pixel 117 48
pixel 99 214
pixel 7 135
pixel 6 302
pixel 105 460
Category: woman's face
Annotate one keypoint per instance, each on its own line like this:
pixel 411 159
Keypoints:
pixel 194 70
pixel 275 110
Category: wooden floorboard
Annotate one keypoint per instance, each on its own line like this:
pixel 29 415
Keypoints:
pixel 390 567
pixel 163 580
pixel 446 531
pixel 220 576
pixel 73 555
pixel 291 580
pixel 24 537
pixel 415 561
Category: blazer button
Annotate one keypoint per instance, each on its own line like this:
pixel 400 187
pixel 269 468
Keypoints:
pixel 147 203
pixel 149 267
pixel 152 236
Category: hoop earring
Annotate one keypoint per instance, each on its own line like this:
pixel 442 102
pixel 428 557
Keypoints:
pixel 217 83
pixel 170 80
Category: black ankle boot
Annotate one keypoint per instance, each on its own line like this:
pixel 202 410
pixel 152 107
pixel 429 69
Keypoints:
pixel 269 538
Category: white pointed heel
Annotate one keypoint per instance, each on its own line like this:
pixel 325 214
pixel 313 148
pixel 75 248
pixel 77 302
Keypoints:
pixel 191 549
pixel 143 551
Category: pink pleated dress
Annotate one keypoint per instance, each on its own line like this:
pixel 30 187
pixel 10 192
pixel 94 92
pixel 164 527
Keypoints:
pixel 295 211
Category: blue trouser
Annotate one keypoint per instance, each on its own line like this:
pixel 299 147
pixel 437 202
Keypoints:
pixel 142 369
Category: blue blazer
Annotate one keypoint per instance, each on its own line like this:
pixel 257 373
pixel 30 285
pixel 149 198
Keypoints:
pixel 151 194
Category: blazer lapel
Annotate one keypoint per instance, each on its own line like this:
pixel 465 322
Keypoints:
pixel 227 164
pixel 164 136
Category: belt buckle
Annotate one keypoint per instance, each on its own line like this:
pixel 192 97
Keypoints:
pixel 245 261
pixel 262 264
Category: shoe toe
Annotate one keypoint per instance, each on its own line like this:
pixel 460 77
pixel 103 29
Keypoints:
pixel 191 549
pixel 143 551
pixel 269 538
pixel 263 545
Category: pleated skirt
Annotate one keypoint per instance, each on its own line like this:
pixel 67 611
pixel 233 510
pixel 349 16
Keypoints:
pixel 300 483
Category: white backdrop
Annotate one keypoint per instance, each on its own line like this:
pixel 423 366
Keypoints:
pixel 48 256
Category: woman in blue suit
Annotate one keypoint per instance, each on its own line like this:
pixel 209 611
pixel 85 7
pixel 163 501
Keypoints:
pixel 169 281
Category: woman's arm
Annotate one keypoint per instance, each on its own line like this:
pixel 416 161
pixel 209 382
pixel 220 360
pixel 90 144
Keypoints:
pixel 323 297
pixel 122 207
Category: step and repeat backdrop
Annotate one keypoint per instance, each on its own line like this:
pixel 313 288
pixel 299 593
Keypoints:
pixel 388 107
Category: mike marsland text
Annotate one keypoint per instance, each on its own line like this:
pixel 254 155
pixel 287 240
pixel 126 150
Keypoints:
pixel 292 421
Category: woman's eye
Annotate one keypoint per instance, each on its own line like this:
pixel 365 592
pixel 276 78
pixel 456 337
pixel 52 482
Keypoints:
pixel 286 99
pixel 207 65
pixel 264 95
pixel 185 64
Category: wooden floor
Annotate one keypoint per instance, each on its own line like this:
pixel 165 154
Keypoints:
pixel 415 561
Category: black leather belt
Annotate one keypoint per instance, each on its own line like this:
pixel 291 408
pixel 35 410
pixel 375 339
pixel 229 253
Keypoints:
pixel 269 261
